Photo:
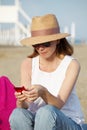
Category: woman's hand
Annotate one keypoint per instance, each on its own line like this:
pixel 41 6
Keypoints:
pixel 33 93
pixel 20 97
pixel 21 100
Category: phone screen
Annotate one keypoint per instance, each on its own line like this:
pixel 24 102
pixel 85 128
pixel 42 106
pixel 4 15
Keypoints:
pixel 19 89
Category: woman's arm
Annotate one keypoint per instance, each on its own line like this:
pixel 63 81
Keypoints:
pixel 70 79
pixel 25 81
pixel 26 72
pixel 66 88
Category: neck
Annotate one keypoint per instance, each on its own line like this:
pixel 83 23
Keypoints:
pixel 49 64
pixel 47 60
pixel 51 59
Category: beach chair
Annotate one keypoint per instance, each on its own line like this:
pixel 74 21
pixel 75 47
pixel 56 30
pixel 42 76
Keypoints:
pixel 7 102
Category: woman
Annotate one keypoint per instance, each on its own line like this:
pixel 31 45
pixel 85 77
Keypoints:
pixel 49 75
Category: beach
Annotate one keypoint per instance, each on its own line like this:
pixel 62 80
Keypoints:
pixel 11 58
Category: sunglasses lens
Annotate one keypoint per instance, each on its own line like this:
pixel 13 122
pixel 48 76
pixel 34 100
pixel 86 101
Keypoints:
pixel 47 44
pixel 35 45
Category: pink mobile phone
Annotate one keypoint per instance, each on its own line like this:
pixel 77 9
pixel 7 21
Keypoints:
pixel 19 89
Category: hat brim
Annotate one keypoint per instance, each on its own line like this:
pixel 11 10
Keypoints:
pixel 41 39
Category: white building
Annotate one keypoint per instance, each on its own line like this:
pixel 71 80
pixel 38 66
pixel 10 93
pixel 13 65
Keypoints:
pixel 71 31
pixel 11 28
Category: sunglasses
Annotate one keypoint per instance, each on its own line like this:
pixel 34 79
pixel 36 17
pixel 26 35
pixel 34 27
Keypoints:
pixel 46 44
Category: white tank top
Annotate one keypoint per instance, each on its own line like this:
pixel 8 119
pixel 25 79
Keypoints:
pixel 53 81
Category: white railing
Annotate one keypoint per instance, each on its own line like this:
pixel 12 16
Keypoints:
pixel 12 36
pixel 10 15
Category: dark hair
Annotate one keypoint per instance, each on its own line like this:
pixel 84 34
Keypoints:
pixel 34 54
pixel 62 48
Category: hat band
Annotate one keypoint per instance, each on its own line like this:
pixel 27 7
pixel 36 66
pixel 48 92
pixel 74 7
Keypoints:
pixel 45 32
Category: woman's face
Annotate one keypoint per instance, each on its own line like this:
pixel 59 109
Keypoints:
pixel 47 50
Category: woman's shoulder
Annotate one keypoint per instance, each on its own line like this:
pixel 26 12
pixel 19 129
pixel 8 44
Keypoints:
pixel 74 61
pixel 74 64
pixel 26 63
pixel 73 68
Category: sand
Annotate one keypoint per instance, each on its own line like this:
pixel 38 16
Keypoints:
pixel 11 58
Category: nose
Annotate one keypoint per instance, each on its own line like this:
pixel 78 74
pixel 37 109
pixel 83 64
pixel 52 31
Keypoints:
pixel 41 47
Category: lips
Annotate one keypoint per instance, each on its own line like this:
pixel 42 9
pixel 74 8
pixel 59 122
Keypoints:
pixel 42 52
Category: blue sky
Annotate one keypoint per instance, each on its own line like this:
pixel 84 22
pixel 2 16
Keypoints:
pixel 66 11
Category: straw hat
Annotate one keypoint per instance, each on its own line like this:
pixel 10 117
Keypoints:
pixel 43 29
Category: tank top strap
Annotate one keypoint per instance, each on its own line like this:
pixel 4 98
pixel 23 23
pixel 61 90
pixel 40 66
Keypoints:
pixel 64 64
pixel 35 63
